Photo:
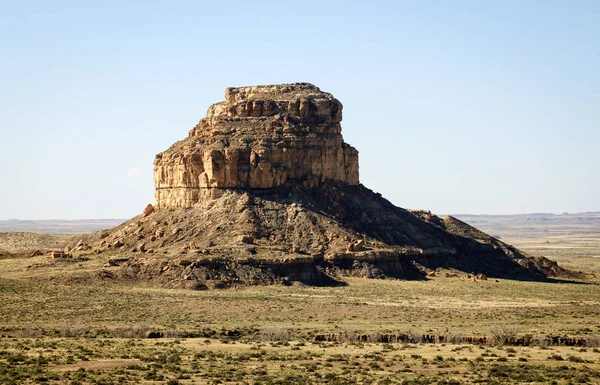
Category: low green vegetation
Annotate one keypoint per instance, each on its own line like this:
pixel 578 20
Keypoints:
pixel 62 323
pixel 210 361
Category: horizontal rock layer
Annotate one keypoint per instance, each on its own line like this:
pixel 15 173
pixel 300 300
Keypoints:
pixel 261 137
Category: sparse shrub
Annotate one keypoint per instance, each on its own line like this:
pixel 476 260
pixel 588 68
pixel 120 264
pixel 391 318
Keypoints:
pixel 131 332
pixel 154 376
pixel 30 333
pixel 503 334
pixel 172 333
pixel 274 334
pixel 575 359
pixel 73 331
pixel 593 341
pixel 451 381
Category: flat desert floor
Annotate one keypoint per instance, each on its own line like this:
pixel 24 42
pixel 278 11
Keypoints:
pixel 62 324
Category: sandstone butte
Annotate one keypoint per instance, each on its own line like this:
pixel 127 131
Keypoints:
pixel 260 137
pixel 264 190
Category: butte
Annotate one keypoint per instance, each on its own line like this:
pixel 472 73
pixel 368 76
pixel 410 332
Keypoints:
pixel 264 190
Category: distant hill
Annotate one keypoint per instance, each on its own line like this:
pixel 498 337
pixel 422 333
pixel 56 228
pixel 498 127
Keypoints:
pixel 58 226
pixel 535 224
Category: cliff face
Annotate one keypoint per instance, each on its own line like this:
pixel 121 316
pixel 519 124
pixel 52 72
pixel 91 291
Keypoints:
pixel 260 137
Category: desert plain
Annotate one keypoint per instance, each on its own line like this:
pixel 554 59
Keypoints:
pixel 63 323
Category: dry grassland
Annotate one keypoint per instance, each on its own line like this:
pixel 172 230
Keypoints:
pixel 62 324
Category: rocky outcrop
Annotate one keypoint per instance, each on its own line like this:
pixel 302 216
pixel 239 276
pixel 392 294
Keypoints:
pixel 260 137
pixel 148 210
pixel 264 190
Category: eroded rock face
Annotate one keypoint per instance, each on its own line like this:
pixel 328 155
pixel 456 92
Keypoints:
pixel 260 137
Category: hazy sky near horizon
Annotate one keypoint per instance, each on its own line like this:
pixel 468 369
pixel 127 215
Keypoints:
pixel 455 106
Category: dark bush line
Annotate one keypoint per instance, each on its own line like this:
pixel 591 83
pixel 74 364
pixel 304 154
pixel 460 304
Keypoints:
pixel 591 341
pixel 281 334
pixel 122 332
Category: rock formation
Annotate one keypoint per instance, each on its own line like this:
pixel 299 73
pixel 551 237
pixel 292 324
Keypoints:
pixel 264 190
pixel 258 138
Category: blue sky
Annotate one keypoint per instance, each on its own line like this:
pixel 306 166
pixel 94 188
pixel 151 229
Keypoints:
pixel 455 106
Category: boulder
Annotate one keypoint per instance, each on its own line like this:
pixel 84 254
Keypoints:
pixel 248 239
pixel 356 245
pixel 148 210
pixel 118 243
pixel 117 261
